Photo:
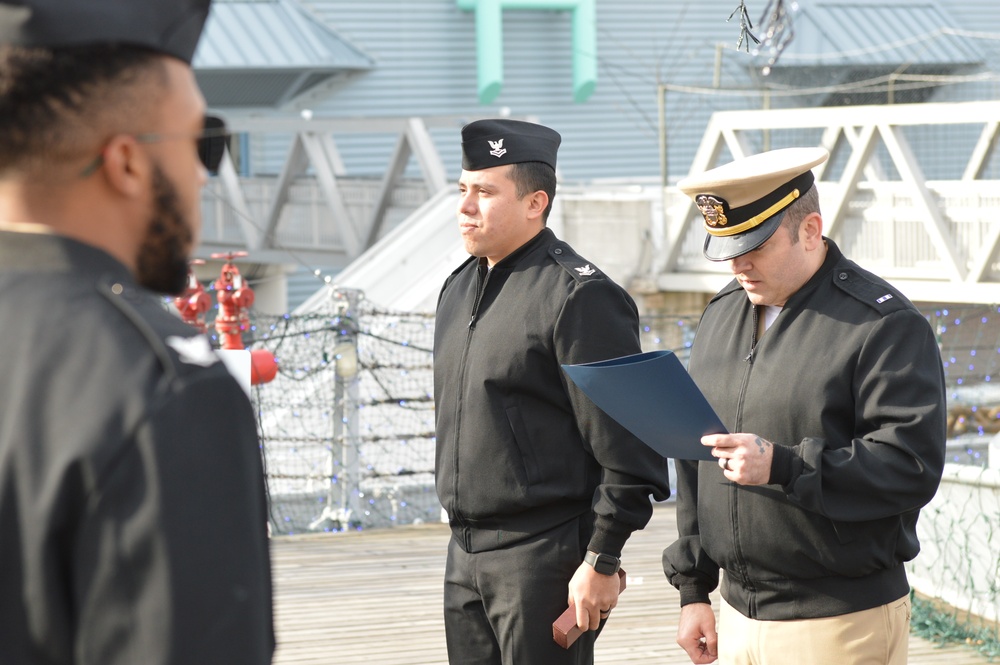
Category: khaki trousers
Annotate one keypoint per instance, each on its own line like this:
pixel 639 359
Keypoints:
pixel 879 636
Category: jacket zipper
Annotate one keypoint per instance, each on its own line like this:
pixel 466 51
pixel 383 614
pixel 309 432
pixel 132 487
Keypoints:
pixel 483 279
pixel 749 358
pixel 733 489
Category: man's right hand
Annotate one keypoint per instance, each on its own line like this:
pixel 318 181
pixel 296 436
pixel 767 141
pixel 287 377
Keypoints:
pixel 696 633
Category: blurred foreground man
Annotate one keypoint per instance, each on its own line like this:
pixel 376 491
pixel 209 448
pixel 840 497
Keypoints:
pixel 832 386
pixel 132 503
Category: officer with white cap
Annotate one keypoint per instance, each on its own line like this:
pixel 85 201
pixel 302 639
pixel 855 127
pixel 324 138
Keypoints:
pixel 132 500
pixel 744 220
pixel 832 386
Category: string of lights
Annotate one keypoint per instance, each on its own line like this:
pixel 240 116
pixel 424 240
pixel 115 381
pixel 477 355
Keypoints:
pixel 942 625
pixel 903 44
pixel 347 427
pixel 389 357
pixel 777 31
pixel 347 433
pixel 875 84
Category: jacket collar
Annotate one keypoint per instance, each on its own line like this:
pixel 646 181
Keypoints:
pixel 511 261
pixel 833 257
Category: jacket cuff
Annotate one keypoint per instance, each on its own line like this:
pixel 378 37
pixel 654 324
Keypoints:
pixel 784 465
pixel 609 536
pixel 694 593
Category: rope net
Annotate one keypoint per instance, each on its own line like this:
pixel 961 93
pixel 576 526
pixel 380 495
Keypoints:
pixel 347 431
pixel 348 424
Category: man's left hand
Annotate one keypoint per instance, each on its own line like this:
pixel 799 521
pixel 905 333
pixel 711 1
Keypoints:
pixel 744 458
pixel 590 592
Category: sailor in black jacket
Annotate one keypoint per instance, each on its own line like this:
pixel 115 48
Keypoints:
pixel 832 386
pixel 531 473
pixel 132 499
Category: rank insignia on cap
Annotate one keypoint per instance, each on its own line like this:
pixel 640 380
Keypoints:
pixel 498 150
pixel 713 209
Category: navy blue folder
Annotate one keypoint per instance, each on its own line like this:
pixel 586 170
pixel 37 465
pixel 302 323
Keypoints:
pixel 652 395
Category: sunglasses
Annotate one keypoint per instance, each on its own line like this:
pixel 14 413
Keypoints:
pixel 213 143
pixel 213 140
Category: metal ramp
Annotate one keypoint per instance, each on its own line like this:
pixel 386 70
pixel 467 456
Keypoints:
pixel 405 269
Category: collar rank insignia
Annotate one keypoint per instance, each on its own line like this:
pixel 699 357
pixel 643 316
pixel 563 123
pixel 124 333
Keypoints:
pixel 712 209
pixel 498 149
pixel 585 271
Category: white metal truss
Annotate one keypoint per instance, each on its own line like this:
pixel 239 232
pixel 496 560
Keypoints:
pixel 235 222
pixel 965 266
pixel 879 192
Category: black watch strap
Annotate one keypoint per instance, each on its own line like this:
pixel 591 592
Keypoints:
pixel 605 564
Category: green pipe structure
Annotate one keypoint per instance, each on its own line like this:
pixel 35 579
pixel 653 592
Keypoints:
pixel 489 42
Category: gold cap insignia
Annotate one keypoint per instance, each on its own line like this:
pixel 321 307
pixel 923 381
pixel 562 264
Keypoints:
pixel 713 209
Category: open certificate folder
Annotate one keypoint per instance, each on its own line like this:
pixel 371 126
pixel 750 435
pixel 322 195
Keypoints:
pixel 652 395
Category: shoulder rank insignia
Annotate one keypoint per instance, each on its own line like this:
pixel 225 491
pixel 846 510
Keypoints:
pixel 193 350
pixel 585 271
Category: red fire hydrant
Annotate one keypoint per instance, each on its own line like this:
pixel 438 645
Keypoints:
pixel 233 319
pixel 235 299
pixel 194 302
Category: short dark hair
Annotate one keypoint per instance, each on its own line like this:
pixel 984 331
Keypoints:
pixel 530 177
pixel 801 208
pixel 54 103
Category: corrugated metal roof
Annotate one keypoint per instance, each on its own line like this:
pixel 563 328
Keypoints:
pixel 867 33
pixel 279 34
pixel 266 52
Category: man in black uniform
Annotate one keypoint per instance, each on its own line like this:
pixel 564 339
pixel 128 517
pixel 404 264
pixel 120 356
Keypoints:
pixel 542 489
pixel 132 503
pixel 832 386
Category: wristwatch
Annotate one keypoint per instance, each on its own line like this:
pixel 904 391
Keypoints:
pixel 605 564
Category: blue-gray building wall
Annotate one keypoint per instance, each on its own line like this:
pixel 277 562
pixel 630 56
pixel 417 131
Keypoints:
pixel 425 64
pixel 425 55
pixel 981 20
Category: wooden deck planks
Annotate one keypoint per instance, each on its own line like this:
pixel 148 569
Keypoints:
pixel 374 598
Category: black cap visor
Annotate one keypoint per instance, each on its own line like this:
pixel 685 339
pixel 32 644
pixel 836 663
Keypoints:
pixel 724 248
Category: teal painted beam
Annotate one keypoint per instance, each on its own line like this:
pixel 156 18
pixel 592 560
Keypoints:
pixel 584 33
pixel 489 42
pixel 489 48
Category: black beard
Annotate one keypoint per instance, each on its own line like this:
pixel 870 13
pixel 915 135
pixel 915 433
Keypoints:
pixel 162 264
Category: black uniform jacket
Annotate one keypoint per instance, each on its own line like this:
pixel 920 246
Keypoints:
pixel 519 449
pixel 848 384
pixel 132 501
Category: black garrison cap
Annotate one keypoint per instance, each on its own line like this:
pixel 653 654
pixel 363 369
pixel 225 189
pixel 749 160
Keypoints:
pixel 171 27
pixel 495 142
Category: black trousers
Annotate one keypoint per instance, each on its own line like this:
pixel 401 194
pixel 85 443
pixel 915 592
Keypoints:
pixel 499 605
